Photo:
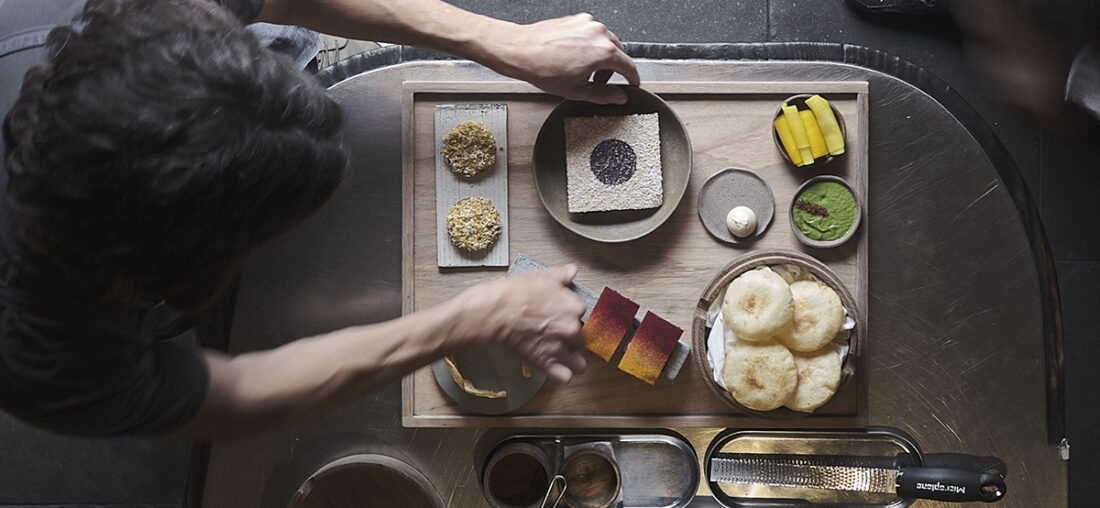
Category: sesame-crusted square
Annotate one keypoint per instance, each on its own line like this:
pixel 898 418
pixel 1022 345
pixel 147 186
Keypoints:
pixel 613 163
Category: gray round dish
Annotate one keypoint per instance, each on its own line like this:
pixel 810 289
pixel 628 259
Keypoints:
pixel 548 163
pixel 491 368
pixel 825 244
pixel 732 187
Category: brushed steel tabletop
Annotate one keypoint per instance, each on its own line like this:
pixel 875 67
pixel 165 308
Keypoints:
pixel 956 315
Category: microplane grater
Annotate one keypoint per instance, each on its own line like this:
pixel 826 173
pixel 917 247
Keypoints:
pixel 803 471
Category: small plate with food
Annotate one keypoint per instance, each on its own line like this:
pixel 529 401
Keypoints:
pixel 489 380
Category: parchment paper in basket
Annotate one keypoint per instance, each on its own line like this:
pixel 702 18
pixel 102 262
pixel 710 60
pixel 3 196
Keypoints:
pixel 525 263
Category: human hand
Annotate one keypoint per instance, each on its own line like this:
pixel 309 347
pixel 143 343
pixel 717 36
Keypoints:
pixel 560 55
pixel 533 314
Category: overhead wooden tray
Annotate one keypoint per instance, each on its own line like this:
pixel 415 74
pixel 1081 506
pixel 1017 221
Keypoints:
pixel 730 125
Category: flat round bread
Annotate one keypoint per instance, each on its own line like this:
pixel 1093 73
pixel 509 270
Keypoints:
pixel 818 378
pixel 761 376
pixel 758 303
pixel 818 316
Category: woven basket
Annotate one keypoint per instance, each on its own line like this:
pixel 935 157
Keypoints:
pixel 751 261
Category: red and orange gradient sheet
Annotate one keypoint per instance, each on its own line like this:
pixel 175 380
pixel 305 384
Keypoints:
pixel 648 351
pixel 608 323
pixel 650 348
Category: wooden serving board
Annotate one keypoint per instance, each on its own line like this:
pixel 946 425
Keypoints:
pixel 730 125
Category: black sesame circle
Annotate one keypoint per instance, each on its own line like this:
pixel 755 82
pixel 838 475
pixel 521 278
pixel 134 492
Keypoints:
pixel 613 161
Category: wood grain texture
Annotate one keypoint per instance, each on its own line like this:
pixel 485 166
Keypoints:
pixel 491 184
pixel 729 124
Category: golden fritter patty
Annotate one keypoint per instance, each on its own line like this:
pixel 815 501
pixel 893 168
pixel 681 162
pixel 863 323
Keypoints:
pixel 473 224
pixel 469 148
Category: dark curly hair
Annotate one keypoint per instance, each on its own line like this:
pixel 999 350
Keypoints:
pixel 159 144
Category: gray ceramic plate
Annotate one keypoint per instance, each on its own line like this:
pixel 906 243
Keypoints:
pixel 732 187
pixel 489 368
pixel 616 226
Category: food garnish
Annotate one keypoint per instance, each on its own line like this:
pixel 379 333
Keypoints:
pixel 468 386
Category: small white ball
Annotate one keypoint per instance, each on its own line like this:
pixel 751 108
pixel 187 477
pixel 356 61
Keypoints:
pixel 741 221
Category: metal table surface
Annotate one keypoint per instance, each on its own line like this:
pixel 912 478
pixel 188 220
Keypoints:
pixel 961 302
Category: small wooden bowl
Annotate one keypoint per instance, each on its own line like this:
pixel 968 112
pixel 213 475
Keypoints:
pixel 824 244
pixel 699 330
pixel 799 102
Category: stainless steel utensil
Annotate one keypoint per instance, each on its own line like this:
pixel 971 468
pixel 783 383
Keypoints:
pixel 942 477
pixel 550 489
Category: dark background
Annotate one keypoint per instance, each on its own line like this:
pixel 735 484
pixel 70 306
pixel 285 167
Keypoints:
pixel 1062 174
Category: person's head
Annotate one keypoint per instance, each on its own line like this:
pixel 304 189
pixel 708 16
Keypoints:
pixel 159 144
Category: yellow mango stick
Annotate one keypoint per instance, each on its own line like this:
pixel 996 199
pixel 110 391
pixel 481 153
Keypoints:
pixel 787 140
pixel 817 141
pixel 799 132
pixel 834 140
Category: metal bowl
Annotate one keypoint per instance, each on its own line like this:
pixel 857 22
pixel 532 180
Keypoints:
pixel 367 480
pixel 614 226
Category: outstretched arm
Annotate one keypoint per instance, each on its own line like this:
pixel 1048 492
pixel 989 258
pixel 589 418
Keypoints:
pixel 557 55
pixel 534 314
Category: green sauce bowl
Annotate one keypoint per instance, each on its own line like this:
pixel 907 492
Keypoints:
pixel 825 193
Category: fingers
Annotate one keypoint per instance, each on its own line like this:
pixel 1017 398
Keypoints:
pixel 563 274
pixel 601 94
pixel 561 55
pixel 617 59
pixel 615 39
pixel 559 374
pixel 576 362
pixel 562 371
pixel 621 63
pixel 568 330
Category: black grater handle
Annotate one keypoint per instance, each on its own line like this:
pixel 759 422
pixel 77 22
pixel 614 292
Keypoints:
pixel 950 484
pixel 974 463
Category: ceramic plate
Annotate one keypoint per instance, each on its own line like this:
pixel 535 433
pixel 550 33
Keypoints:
pixel 732 187
pixel 614 226
pixel 489 368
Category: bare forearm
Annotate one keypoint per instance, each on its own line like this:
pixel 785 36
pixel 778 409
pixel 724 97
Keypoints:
pixel 572 56
pixel 535 315
pixel 431 24
pixel 256 391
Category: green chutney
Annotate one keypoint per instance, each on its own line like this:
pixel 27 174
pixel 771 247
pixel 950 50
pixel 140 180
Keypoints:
pixel 824 211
